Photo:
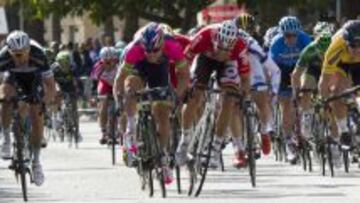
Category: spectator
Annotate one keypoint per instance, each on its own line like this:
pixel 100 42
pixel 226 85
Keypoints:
pixel 86 59
pixel 94 52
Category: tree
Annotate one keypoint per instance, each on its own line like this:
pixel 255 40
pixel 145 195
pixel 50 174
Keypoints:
pixel 177 13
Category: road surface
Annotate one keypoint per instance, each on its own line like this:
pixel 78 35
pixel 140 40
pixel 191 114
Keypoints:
pixel 86 175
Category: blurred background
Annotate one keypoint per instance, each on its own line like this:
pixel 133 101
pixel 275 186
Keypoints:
pixel 107 21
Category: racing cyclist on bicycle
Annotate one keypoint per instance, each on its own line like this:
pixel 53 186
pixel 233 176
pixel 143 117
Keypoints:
pixel 285 50
pixel 262 67
pixel 220 49
pixel 146 63
pixel 341 70
pixel 66 83
pixel 104 71
pixel 27 69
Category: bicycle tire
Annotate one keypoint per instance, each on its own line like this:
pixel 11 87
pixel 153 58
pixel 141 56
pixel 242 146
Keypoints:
pixel 346 160
pixel 151 184
pixel 160 173
pixel 329 160
pixel 205 166
pixel 250 151
pixel 323 162
pixel 308 155
pixel 23 183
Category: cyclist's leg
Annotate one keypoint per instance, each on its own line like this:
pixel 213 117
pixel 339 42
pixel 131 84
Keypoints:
pixel 190 111
pixel 7 90
pixel 132 83
pixel 308 81
pixel 262 100
pixel 236 129
pixel 229 80
pixel 103 90
pixel 37 122
pixel 339 109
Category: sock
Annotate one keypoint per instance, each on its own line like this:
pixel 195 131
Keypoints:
pixel 185 138
pixel 237 144
pixel 6 133
pixel 270 124
pixel 342 126
pixel 218 141
pixel 36 154
pixel 130 126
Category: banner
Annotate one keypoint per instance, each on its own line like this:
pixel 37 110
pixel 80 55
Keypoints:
pixel 215 14
pixel 3 22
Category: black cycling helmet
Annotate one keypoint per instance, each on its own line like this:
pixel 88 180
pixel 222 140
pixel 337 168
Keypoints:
pixel 245 21
pixel 351 32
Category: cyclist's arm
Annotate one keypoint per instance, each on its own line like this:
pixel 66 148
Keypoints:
pixel 330 65
pixel 275 74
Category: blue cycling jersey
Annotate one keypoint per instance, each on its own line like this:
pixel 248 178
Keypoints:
pixel 284 55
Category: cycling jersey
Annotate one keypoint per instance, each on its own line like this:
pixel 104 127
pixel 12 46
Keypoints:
pixel 37 63
pixel 27 78
pixel 338 58
pixel 286 57
pixel 184 41
pixel 203 43
pixel 261 65
pixel 135 53
pixel 311 58
pixel 99 73
pixel 65 79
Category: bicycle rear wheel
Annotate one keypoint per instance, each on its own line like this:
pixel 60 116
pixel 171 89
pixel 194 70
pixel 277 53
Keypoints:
pixel 346 160
pixel 23 183
pixel 251 151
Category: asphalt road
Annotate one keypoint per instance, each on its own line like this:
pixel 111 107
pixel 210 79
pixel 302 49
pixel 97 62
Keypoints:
pixel 86 175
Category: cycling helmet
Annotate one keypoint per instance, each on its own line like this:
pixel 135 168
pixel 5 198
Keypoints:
pixel 323 27
pixel 270 34
pixel 245 21
pixel 107 53
pixel 167 29
pixel 120 45
pixel 152 37
pixel 227 34
pixel 289 24
pixel 18 40
pixel 351 32
pixel 63 57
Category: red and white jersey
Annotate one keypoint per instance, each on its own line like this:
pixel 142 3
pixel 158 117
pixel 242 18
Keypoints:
pixel 203 43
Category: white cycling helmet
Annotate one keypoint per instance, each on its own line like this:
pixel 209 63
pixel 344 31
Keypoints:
pixel 108 53
pixel 323 27
pixel 18 40
pixel 227 34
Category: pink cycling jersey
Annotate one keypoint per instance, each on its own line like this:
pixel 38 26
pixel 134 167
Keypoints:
pixel 135 52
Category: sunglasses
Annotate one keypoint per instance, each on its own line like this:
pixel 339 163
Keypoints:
pixel 155 50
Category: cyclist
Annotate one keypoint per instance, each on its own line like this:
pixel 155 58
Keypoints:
pixel 262 67
pixel 146 62
pixel 66 82
pixel 219 49
pixel 24 60
pixel 248 23
pixel 285 49
pixel 269 36
pixel 104 72
pixel 308 69
pixel 340 71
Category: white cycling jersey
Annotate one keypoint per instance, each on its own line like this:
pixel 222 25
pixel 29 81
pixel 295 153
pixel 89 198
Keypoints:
pixel 263 68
